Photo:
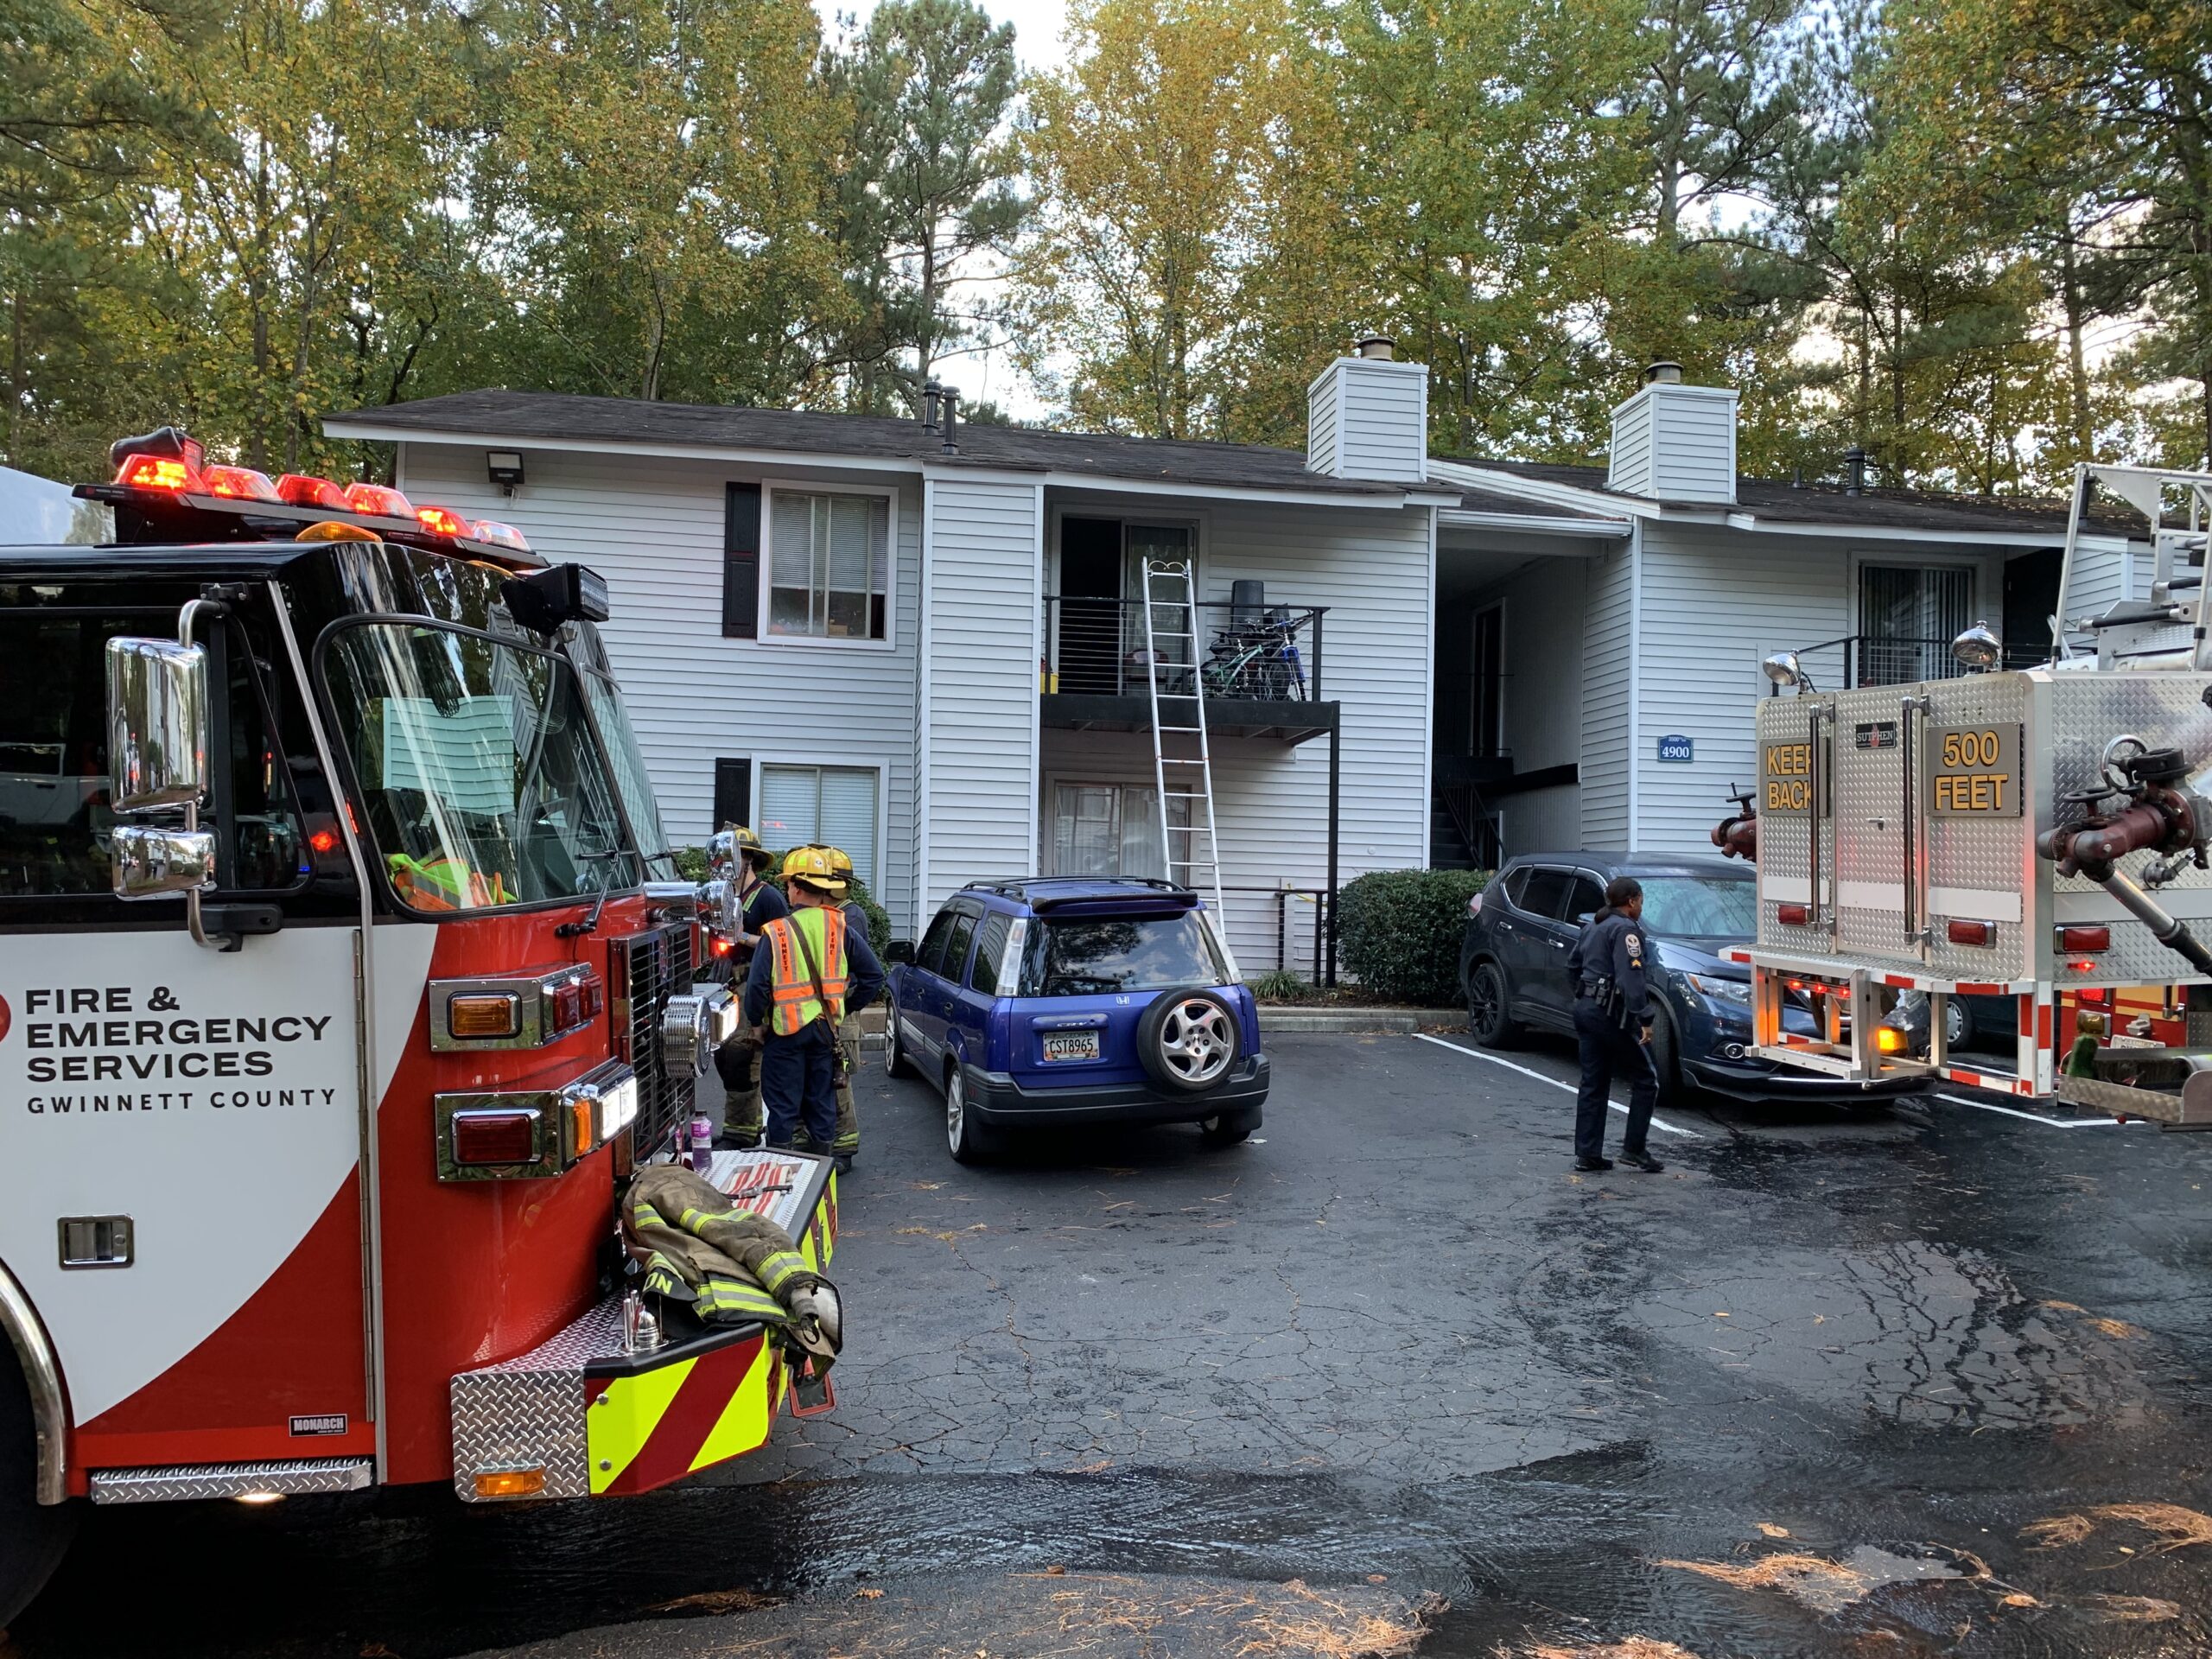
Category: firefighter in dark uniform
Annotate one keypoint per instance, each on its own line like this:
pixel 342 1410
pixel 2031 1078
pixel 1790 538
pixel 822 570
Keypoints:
pixel 738 858
pixel 1612 1028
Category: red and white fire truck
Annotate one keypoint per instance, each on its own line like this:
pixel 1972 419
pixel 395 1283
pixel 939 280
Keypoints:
pixel 2037 839
pixel 346 975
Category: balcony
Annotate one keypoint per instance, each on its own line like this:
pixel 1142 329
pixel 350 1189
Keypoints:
pixel 1258 669
pixel 1861 659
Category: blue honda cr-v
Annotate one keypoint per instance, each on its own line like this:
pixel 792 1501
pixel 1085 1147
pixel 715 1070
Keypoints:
pixel 1058 1000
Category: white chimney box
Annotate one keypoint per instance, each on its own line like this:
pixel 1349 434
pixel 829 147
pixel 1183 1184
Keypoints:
pixel 1367 417
pixel 1674 442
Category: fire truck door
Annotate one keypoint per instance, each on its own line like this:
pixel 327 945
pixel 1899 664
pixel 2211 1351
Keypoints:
pixel 180 1125
pixel 179 1193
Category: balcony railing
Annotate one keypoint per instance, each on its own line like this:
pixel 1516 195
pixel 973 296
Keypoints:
pixel 1874 659
pixel 1096 648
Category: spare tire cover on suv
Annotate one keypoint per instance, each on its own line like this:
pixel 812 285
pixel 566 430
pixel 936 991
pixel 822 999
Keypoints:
pixel 1188 1040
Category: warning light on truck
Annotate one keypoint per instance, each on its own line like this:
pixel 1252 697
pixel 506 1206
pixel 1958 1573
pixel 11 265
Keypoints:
pixel 377 499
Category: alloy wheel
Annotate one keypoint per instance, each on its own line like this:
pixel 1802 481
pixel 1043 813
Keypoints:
pixel 1197 1040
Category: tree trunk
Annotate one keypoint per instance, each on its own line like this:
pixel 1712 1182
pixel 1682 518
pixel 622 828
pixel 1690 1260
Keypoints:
pixel 12 450
pixel 2077 364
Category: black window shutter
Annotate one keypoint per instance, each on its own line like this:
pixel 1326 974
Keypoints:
pixel 733 791
pixel 742 562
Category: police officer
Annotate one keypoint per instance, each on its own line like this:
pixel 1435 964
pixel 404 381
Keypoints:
pixel 739 857
pixel 1612 1027
pixel 810 968
pixel 847 1146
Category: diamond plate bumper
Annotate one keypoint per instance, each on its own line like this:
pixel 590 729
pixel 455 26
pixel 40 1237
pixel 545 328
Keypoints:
pixel 185 1482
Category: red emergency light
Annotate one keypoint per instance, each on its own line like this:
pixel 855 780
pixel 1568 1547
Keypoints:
pixel 495 1137
pixel 442 521
pixel 1793 915
pixel 1978 933
pixel 240 483
pixel 378 501
pixel 302 489
pixel 157 473
pixel 165 459
pixel 2076 940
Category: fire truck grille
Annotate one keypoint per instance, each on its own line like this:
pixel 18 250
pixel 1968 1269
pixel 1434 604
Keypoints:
pixel 646 970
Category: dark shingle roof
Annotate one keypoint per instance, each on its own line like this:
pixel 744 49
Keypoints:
pixel 1831 504
pixel 1522 506
pixel 554 417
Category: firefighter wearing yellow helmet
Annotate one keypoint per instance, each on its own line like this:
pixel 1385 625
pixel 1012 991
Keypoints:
pixel 737 857
pixel 811 969
pixel 847 1146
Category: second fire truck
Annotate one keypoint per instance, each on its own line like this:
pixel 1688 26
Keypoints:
pixel 2039 836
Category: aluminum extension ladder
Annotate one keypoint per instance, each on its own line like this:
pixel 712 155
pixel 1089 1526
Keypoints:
pixel 1196 863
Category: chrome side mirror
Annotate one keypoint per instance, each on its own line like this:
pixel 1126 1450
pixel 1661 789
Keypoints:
pixel 157 762
pixel 148 861
pixel 156 724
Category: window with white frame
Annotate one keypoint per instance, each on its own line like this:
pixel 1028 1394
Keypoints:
pixel 829 574
pixel 834 805
pixel 1113 829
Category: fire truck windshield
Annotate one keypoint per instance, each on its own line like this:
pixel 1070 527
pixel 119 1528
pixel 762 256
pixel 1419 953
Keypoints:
pixel 476 766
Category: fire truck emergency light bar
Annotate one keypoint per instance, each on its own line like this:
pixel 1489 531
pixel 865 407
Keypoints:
pixel 164 477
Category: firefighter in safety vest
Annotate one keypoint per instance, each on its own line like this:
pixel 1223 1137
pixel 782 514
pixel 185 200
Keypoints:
pixel 847 1146
pixel 810 968
pixel 758 903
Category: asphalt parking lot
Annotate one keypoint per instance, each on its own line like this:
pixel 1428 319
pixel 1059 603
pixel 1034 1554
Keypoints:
pixel 1388 1378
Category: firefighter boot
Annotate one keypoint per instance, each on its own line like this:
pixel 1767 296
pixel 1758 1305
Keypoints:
pixel 738 1061
pixel 847 1145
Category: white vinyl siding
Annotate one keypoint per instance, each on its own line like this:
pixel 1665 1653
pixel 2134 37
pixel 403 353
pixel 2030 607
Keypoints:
pixel 1606 647
pixel 834 806
pixel 1368 419
pixel 1675 443
pixel 1371 568
pixel 653 528
pixel 1715 602
pixel 977 814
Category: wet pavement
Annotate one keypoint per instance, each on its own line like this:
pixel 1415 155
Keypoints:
pixel 1388 1379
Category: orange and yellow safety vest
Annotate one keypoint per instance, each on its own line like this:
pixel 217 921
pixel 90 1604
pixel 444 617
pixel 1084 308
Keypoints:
pixel 793 1005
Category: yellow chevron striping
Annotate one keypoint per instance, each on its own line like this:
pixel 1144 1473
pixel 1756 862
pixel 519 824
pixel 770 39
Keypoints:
pixel 744 1422
pixel 619 1423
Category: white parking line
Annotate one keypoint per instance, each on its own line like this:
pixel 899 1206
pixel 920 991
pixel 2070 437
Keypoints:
pixel 2035 1117
pixel 1657 1123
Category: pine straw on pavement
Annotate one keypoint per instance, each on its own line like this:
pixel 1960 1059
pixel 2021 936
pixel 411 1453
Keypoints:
pixel 2174 1527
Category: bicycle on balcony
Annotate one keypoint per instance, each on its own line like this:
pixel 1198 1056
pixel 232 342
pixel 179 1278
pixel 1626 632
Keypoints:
pixel 1258 660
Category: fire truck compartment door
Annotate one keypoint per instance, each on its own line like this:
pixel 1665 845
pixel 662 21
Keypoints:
pixel 203 1108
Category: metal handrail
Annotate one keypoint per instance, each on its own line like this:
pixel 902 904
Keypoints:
pixel 1324 924
pixel 1889 659
pixel 1095 647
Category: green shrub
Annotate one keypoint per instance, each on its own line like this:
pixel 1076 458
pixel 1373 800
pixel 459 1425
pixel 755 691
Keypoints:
pixel 1398 932
pixel 1281 985
pixel 690 862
